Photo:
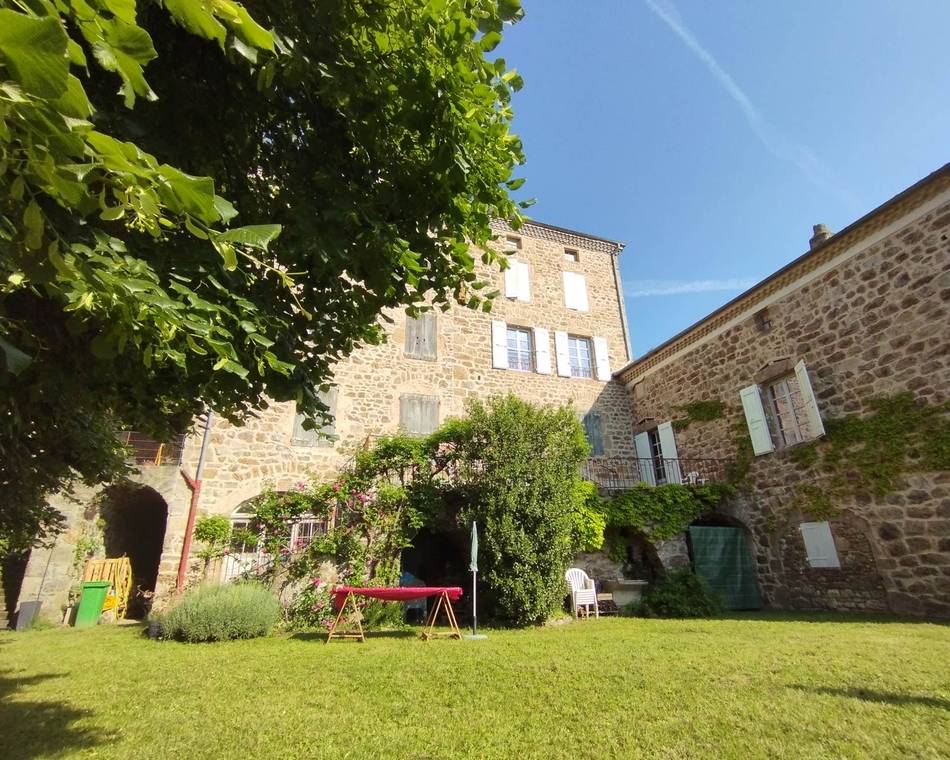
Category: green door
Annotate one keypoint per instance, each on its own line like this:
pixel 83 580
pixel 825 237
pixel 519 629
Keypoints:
pixel 720 557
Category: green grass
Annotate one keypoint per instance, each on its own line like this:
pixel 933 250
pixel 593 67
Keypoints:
pixel 764 686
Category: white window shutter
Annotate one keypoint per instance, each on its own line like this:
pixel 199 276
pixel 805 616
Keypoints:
pixel 542 351
pixel 809 405
pixel 671 461
pixel 819 544
pixel 499 344
pixel 602 358
pixel 511 279
pixel 563 357
pixel 575 291
pixel 645 458
pixel 524 287
pixel 756 420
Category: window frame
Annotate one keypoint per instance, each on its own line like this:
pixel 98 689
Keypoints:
pixel 518 353
pixel 656 455
pixel 576 368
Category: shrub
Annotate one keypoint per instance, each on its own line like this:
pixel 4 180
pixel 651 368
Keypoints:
pixel 519 466
pixel 219 613
pixel 679 594
pixel 214 531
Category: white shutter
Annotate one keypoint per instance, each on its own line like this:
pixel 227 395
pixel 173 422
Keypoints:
pixel 671 462
pixel 542 351
pixel 601 357
pixel 511 279
pixel 524 288
pixel 499 344
pixel 756 420
pixel 810 407
pixel 563 357
pixel 645 458
pixel 819 544
pixel 575 291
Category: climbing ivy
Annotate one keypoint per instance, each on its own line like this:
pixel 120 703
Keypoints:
pixel 869 455
pixel 660 512
pixel 699 411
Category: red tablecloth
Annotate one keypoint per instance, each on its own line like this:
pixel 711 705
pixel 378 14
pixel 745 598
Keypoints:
pixel 399 594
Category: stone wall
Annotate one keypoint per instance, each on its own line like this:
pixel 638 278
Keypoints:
pixel 873 320
pixel 242 460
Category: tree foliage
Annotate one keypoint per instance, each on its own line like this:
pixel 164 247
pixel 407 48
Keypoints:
pixel 365 143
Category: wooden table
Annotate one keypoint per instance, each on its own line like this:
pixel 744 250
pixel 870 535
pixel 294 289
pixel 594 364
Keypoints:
pixel 348 621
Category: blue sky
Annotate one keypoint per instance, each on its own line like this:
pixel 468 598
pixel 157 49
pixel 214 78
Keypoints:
pixel 709 137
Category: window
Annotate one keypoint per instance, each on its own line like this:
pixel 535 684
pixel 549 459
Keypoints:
pixel 520 354
pixel 243 540
pixel 575 291
pixel 594 430
pixel 305 530
pixel 572 256
pixel 657 457
pixel 783 412
pixel 418 413
pixel 512 243
pixel 422 336
pixel 579 354
pixel 819 544
pixel 784 405
pixel 322 436
pixel 762 321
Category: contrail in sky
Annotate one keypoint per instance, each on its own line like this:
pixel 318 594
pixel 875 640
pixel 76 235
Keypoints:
pixel 774 141
pixel 675 287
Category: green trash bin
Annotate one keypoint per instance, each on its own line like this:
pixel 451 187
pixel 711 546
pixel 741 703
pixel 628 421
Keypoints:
pixel 90 603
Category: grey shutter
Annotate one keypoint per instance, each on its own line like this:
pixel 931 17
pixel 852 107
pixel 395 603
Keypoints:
pixel 418 414
pixel 756 420
pixel 499 344
pixel 422 336
pixel 322 436
pixel 671 462
pixel 816 427
pixel 594 430
pixel 645 458
pixel 819 544
pixel 601 358
pixel 542 351
pixel 562 353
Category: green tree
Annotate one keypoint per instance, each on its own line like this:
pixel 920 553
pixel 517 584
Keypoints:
pixel 518 471
pixel 375 135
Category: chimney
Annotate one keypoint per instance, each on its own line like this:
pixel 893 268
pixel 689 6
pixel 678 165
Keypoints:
pixel 822 233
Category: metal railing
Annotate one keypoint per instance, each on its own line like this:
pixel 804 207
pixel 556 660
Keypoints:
pixel 146 450
pixel 619 473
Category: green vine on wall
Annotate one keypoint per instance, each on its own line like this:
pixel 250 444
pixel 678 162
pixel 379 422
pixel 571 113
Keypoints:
pixel 869 455
pixel 699 411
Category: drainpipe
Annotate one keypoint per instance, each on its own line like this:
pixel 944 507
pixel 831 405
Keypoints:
pixel 195 485
pixel 618 287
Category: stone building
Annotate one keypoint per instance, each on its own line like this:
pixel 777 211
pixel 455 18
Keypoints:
pixel 864 314
pixel 554 335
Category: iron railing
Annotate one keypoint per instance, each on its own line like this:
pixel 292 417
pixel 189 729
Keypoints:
pixel 146 450
pixel 619 473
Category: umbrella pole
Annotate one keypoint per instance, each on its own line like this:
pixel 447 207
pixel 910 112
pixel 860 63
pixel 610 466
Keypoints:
pixel 474 613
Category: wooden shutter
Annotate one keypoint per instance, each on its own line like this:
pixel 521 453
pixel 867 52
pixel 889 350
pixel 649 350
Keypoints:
pixel 418 413
pixel 645 458
pixel 511 279
pixel 601 358
pixel 542 351
pixel 671 462
pixel 524 288
pixel 422 336
pixel 594 430
pixel 317 436
pixel 499 344
pixel 575 291
pixel 562 354
pixel 816 427
pixel 756 420
pixel 819 544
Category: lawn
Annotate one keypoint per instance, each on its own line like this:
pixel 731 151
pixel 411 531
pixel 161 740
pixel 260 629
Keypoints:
pixel 764 686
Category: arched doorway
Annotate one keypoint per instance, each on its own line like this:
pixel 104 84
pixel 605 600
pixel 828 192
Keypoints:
pixel 134 519
pixel 718 548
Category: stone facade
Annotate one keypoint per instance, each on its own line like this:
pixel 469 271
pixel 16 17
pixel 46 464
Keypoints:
pixel 868 311
pixel 242 460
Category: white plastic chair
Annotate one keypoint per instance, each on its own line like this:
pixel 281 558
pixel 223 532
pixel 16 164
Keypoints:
pixel 583 593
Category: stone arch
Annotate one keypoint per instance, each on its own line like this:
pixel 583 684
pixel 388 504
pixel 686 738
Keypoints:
pixel 721 550
pixel 134 518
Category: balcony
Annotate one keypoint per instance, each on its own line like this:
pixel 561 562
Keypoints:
pixel 621 473
pixel 146 450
